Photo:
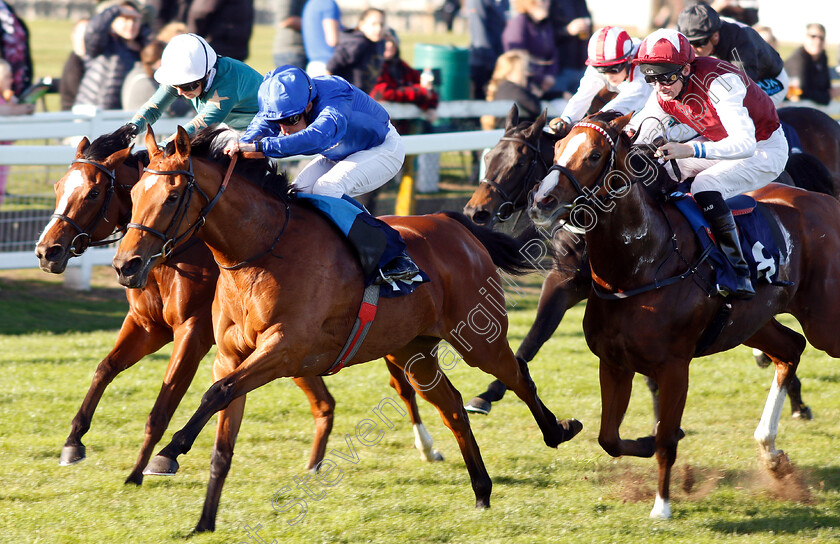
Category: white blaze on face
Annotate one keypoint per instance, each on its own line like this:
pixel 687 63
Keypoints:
pixel 150 182
pixel 72 183
pixel 550 181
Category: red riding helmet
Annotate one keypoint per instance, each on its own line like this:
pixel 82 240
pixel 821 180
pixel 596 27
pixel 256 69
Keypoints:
pixel 663 51
pixel 610 45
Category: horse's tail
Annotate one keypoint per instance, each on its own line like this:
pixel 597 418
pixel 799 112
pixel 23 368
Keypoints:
pixel 507 253
pixel 809 173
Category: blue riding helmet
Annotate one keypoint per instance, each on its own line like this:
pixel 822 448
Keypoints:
pixel 285 91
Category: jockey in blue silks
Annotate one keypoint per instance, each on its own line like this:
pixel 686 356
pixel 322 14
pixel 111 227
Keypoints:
pixel 358 151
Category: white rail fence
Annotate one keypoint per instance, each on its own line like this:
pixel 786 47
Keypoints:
pixel 19 229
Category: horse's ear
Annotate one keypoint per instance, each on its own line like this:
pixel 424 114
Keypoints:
pixel 151 143
pixel 620 122
pixel 117 158
pixel 538 126
pixel 512 117
pixel 182 142
pixel 80 149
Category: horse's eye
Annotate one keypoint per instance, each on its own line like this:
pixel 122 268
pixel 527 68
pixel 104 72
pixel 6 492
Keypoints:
pixel 173 197
pixel 595 157
pixel 93 195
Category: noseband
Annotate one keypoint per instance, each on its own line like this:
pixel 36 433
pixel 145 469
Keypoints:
pixel 82 239
pixel 586 196
pixel 512 204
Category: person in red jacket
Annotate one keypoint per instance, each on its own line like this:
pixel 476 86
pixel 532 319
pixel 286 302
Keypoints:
pixel 399 82
pixel 741 146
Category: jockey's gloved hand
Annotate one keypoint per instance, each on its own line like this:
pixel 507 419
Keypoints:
pixel 560 126
pixel 134 128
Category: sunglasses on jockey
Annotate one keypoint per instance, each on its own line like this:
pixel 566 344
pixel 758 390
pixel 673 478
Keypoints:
pixel 191 86
pixel 700 42
pixel 611 69
pixel 666 80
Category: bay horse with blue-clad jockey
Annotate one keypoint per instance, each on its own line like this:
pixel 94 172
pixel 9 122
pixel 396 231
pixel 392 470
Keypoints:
pixel 287 312
pixel 648 320
pixel 93 201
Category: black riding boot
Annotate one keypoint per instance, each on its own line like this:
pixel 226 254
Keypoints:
pixel 370 243
pixel 720 218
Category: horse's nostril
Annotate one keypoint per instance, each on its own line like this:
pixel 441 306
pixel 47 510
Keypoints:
pixel 130 267
pixel 481 217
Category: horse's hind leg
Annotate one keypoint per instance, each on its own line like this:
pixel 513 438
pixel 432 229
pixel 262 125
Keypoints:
pixel 422 439
pixel 133 343
pixel 192 342
pixel 322 406
pixel 798 408
pixel 496 358
pixel 784 347
pixel 419 362
pixel 555 298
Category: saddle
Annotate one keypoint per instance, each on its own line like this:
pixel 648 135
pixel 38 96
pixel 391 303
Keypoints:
pixel 761 239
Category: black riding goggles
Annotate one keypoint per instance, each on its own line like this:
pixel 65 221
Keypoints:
pixel 189 87
pixel 664 79
pixel 290 120
pixel 699 42
pixel 612 69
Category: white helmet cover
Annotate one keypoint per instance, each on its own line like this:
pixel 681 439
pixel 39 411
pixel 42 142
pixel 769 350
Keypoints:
pixel 186 58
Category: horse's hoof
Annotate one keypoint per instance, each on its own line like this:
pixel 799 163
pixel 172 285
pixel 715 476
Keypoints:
pixel 431 456
pixel 478 406
pixel 135 478
pixel 804 413
pixel 571 427
pixel 70 455
pixel 161 466
pixel 482 504
pixel 762 360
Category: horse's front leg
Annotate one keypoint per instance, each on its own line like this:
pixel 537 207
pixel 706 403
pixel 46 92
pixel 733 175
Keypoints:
pixel 192 341
pixel 673 391
pixel 230 419
pixel 616 386
pixel 133 343
pixel 322 406
pixel 257 370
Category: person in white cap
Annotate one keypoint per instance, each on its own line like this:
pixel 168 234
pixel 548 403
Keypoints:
pixel 221 89
pixel 609 54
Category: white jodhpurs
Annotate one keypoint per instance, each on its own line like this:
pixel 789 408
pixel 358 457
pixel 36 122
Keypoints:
pixel 730 177
pixel 356 174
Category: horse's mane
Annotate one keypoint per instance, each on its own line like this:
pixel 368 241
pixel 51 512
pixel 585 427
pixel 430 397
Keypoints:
pixel 108 144
pixel 206 144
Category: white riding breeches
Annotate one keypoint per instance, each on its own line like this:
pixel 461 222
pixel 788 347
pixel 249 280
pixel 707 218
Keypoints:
pixel 356 174
pixel 730 177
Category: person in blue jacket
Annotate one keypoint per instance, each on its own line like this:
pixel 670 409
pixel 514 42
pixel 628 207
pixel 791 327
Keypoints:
pixel 358 150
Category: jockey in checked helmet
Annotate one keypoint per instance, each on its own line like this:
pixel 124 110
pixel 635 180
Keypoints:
pixel 610 53
pixel 741 146
pixel 358 150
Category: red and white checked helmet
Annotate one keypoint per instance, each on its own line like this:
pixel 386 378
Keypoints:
pixel 666 47
pixel 610 45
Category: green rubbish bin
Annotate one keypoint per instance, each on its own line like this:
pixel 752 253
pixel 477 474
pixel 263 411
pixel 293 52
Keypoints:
pixel 450 65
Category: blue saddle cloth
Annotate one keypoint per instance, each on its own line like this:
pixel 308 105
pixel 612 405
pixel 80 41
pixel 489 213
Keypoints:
pixel 760 241
pixel 794 143
pixel 343 212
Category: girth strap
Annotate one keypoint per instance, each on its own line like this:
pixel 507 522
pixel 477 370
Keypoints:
pixel 360 329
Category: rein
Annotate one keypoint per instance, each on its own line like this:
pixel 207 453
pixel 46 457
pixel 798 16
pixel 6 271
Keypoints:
pixel 82 239
pixel 511 204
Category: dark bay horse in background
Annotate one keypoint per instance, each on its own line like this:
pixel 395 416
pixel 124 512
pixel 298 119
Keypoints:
pixel 288 311
pixel 93 200
pixel 517 163
pixel 639 240
pixel 819 135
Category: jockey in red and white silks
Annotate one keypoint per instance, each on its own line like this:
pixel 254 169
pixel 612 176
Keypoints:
pixel 740 147
pixel 610 52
